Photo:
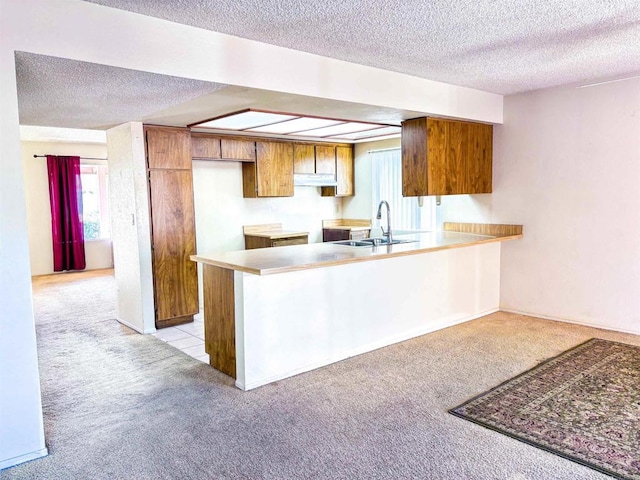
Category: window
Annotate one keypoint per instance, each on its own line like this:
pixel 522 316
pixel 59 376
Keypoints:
pixel 95 204
pixel 406 213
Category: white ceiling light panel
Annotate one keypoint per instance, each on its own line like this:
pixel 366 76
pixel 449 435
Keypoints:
pixel 273 123
pixel 246 120
pixel 370 133
pixel 340 129
pixel 295 125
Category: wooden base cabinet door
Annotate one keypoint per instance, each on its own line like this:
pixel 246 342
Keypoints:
pixel 173 231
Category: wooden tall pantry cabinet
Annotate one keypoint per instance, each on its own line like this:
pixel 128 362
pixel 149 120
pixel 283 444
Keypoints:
pixel 173 239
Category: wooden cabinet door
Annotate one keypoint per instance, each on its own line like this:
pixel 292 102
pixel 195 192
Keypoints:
pixel 459 156
pixel 232 149
pixel 274 169
pixel 444 151
pixel 334 234
pixel 344 171
pixel 344 174
pixel 173 240
pixel 414 158
pixel 304 160
pixel 168 147
pixel 205 147
pixel 480 171
pixel 325 159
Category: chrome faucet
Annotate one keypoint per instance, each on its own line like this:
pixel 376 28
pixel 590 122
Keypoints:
pixel 388 233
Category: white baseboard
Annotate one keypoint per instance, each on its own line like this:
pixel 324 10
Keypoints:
pixel 134 327
pixel 12 462
pixel 365 348
pixel 573 321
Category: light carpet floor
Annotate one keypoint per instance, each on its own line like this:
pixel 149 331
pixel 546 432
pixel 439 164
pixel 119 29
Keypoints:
pixel 119 405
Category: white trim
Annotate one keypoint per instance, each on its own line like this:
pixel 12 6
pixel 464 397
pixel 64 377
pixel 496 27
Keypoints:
pixel 136 328
pixel 573 321
pixel 365 349
pixel 11 462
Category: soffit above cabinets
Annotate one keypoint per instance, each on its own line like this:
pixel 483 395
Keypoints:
pixel 262 122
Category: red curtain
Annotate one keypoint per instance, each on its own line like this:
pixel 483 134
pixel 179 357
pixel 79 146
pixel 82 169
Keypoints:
pixel 65 194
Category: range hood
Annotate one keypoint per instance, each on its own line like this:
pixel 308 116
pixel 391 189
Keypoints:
pixel 314 180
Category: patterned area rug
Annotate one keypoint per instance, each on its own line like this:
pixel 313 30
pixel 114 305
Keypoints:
pixel 583 405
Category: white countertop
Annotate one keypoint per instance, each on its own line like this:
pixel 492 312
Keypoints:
pixel 267 261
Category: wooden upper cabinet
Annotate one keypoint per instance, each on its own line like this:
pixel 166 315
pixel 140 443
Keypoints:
pixel 205 147
pixel 304 159
pixel 325 159
pixel 168 147
pixel 446 157
pixel 233 149
pixel 344 174
pixel 344 164
pixel 272 173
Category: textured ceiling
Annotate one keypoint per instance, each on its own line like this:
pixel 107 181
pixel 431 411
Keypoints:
pixel 500 46
pixel 67 93
pixel 57 92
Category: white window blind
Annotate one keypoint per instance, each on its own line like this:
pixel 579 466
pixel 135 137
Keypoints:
pixel 406 214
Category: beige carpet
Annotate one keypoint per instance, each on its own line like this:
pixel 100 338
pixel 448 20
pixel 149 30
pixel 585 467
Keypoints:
pixel 119 405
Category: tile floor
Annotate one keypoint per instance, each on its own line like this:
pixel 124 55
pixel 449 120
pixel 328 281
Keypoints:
pixel 188 337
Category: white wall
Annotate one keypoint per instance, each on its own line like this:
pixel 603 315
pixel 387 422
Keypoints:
pixel 221 210
pixel 97 252
pixel 21 426
pixel 130 226
pixel 359 206
pixel 567 163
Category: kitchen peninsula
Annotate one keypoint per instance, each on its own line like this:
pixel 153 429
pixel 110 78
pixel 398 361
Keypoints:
pixel 273 313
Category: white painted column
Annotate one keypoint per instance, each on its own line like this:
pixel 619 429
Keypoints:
pixel 21 427
pixel 130 226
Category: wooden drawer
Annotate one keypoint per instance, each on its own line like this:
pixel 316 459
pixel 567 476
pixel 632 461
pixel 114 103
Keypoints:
pixel 253 241
pixel 282 242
